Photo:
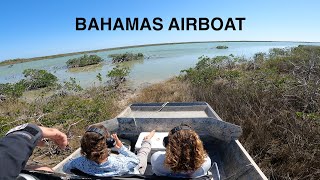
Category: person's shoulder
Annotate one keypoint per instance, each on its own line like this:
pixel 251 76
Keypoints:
pixel 160 152
pixel 206 164
pixel 72 163
pixel 157 162
pixel 80 159
pixel 158 156
pixel 207 160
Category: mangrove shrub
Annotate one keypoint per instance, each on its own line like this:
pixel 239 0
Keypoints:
pixel 38 78
pixel 84 60
pixel 118 58
pixel 222 47
pixel 34 79
pixel 118 75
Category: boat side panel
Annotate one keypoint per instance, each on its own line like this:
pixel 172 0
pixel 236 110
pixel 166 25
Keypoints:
pixel 238 164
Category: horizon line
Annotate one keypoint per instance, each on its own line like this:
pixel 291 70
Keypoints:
pixel 134 46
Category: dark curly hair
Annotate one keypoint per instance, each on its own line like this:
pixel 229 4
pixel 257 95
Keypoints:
pixel 185 151
pixel 93 145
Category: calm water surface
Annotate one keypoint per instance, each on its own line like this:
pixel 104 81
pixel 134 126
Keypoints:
pixel 162 62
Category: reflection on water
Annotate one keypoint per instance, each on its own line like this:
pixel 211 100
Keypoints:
pixel 161 62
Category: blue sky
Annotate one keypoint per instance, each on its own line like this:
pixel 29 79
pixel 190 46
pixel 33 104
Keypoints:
pixel 37 27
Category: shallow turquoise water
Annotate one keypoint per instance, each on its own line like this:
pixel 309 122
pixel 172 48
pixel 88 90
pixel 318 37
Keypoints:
pixel 163 62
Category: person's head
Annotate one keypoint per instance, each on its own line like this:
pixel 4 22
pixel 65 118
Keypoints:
pixel 93 144
pixel 184 151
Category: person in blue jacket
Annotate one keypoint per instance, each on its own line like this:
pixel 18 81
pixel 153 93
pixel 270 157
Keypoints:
pixel 96 159
pixel 18 144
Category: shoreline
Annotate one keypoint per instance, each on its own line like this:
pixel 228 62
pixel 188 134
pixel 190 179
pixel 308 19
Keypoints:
pixel 23 60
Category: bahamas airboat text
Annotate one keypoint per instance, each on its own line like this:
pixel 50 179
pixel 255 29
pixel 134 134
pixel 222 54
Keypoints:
pixel 158 24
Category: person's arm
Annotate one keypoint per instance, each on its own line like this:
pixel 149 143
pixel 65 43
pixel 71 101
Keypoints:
pixel 17 146
pixel 123 150
pixel 122 164
pixel 126 162
pixel 127 153
pixel 58 137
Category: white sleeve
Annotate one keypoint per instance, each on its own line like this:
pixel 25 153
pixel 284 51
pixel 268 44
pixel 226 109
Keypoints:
pixel 206 165
pixel 157 163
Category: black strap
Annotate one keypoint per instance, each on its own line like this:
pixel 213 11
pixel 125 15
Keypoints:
pixel 30 131
pixel 96 130
pixel 179 128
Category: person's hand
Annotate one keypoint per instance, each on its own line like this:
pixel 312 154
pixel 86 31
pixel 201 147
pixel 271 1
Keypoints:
pixel 55 135
pixel 150 135
pixel 118 142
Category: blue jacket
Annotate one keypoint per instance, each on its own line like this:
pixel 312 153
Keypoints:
pixel 116 165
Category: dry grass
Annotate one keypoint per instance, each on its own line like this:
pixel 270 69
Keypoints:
pixel 172 90
pixel 283 145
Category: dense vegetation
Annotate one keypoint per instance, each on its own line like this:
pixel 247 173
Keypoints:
pixel 12 89
pixel 275 97
pixel 118 58
pixel 84 60
pixel 222 47
pixel 65 106
pixel 65 102
pixel 71 113
pixel 34 79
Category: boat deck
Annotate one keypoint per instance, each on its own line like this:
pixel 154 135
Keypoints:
pixel 219 137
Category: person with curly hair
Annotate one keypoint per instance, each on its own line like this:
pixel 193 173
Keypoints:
pixel 97 161
pixel 185 156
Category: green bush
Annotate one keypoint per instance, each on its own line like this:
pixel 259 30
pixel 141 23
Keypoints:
pixel 118 58
pixel 119 72
pixel 118 75
pixel 207 70
pixel 222 47
pixel 12 89
pixel 35 79
pixel 84 60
